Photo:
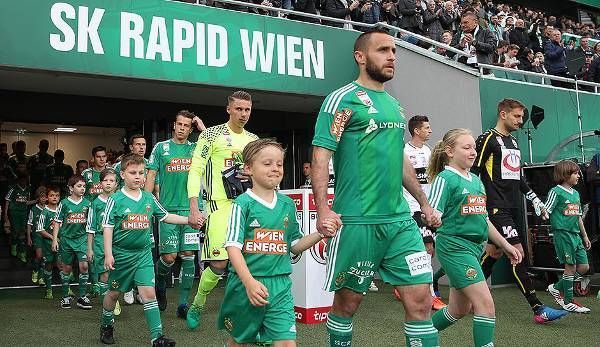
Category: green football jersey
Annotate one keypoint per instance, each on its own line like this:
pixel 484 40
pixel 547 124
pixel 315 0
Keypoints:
pixel 462 202
pixel 18 197
pixel 95 216
pixel 93 187
pixel 120 182
pixel 365 129
pixel 564 207
pixel 73 217
pixel 131 219
pixel 172 163
pixel 264 232
pixel 46 221
pixel 34 215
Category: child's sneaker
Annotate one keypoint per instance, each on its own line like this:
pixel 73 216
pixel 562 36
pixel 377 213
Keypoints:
pixel 163 342
pixel 556 295
pixel 65 302
pixel 13 250
pixel 49 295
pixel 576 307
pixel 84 303
pixel 106 335
pixel 34 277
pixel 41 281
pixel 23 257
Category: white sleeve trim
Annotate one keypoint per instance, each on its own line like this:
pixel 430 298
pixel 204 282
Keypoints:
pixel 234 244
pixel 165 217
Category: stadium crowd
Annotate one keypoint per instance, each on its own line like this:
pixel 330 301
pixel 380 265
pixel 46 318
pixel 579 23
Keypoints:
pixel 511 36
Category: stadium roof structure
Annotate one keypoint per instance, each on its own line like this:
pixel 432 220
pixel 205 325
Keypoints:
pixel 591 3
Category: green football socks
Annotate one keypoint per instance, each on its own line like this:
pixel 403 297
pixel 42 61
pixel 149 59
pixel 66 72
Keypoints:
pixel 188 270
pixel 339 330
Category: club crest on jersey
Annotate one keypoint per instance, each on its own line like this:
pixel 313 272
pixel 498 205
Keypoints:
pixel 114 284
pixel 340 279
pixel 165 148
pixel 148 208
pixel 286 222
pixel 228 324
pixel 471 273
pixel 364 98
pixel 216 252
pixel 340 121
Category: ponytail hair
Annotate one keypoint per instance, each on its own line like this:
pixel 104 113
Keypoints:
pixel 439 159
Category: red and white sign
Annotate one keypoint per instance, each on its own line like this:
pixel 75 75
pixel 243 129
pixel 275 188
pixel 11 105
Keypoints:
pixel 311 302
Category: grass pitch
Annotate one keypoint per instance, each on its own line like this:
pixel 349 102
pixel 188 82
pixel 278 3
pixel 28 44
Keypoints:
pixel 29 320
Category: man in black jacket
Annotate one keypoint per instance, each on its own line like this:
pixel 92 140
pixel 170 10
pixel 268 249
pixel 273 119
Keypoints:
pixel 519 36
pixel 411 16
pixel 474 39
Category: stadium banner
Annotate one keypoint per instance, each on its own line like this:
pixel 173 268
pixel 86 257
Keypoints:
pixel 175 42
pixel 558 135
pixel 311 302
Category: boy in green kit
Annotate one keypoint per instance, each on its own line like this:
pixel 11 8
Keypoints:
pixel 71 218
pixel 95 239
pixel 44 227
pixel 570 239
pixel 15 214
pixel 127 227
pixel 33 238
pixel 262 232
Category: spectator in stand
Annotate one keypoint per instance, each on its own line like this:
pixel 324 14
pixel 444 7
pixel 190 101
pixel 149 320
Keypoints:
pixel 447 39
pixel 555 57
pixel 498 57
pixel 411 16
pixel 80 166
pixel 431 21
pixel 389 12
pixel 596 50
pixel 584 71
pixel 527 60
pixel 510 57
pixel 38 163
pixel 369 12
pixel 538 63
pixel 306 6
pixel 475 40
pixel 518 36
pixel 480 13
pixel 594 70
pixel 584 45
pixel 509 25
pixel 450 18
pixel 495 28
pixel 548 30
pixel 536 35
pixel 342 9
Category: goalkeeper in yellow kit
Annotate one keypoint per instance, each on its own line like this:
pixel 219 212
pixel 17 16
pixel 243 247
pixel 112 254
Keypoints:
pixel 219 148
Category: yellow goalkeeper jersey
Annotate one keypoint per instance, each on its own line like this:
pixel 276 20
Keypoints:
pixel 218 148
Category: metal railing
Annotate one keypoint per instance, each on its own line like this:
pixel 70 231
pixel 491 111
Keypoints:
pixel 543 77
pixel 344 21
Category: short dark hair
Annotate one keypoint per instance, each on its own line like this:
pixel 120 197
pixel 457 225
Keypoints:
pixel 97 149
pixel 469 12
pixel 74 179
pixel 79 161
pixel 106 172
pixel 239 95
pixel 131 159
pixel 508 105
pixel 59 153
pixel 52 188
pixel 136 136
pixel 362 40
pixel 503 43
pixel 563 170
pixel 185 114
pixel 416 122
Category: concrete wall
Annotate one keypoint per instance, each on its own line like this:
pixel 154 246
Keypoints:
pixel 444 92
